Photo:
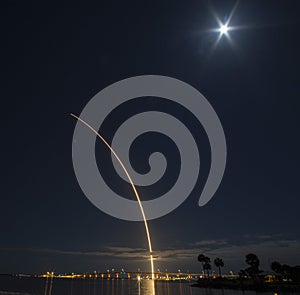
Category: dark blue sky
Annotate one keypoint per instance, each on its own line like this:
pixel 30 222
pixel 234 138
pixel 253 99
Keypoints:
pixel 55 57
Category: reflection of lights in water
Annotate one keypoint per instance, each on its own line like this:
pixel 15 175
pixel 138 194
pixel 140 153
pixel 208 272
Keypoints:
pixel 123 286
pixel 47 284
pixel 153 287
pixel 51 283
pixel 132 185
pixel 145 287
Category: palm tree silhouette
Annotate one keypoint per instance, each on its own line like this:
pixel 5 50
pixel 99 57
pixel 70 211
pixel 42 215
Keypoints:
pixel 205 262
pixel 276 267
pixel 202 259
pixel 219 263
pixel 253 261
pixel 207 267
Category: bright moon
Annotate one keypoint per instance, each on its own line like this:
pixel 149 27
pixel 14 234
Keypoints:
pixel 223 29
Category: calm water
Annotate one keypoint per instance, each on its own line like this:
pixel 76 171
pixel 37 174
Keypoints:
pixel 31 286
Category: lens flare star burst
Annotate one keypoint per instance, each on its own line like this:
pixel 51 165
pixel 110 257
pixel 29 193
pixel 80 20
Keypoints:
pixel 223 29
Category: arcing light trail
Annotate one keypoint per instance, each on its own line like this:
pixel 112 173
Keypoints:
pixel 132 185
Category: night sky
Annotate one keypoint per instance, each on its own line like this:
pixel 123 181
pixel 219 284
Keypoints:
pixel 57 56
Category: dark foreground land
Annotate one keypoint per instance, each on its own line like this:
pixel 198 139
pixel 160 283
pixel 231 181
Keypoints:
pixel 247 284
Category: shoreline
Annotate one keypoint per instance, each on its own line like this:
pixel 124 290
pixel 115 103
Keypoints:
pixel 249 286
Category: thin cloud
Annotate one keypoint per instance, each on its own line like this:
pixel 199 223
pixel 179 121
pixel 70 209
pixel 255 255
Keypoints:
pixel 268 248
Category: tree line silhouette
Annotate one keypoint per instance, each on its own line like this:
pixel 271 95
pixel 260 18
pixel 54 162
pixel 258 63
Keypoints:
pixel 205 260
pixel 281 272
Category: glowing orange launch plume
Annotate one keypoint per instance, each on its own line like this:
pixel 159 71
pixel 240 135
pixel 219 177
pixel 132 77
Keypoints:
pixel 133 187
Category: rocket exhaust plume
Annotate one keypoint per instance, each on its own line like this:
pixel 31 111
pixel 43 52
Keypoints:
pixel 132 185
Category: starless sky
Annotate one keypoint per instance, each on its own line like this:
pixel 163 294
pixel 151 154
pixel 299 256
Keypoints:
pixel 56 56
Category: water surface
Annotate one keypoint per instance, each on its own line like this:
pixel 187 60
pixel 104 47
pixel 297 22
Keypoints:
pixel 35 286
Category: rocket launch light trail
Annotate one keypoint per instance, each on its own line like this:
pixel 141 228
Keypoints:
pixel 132 185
